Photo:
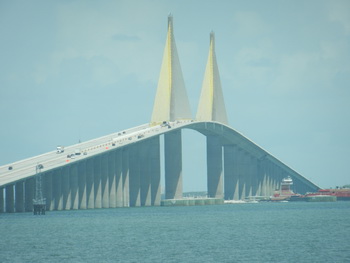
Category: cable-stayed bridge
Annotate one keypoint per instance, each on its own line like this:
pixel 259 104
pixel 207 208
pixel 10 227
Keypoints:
pixel 124 169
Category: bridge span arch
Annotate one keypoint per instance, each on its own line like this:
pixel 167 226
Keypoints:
pixel 124 169
pixel 248 169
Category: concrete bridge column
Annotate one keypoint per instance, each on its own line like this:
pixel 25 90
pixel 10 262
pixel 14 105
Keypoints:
pixel 265 186
pixel 269 186
pixel 112 188
pixel 271 178
pixel 255 179
pixel 90 184
pixel 19 193
pixel 248 174
pixel 82 185
pixel 145 175
pixel 104 181
pixel 2 206
pixel 267 178
pixel 173 164
pixel 261 175
pixel 214 167
pixel 134 179
pixel 277 177
pixel 230 172
pixel 74 184
pixel 154 152
pixel 29 186
pixel 47 190
pixel 261 187
pixel 97 182
pixel 241 171
pixel 10 199
pixel 229 179
pixel 57 189
pixel 236 173
pixel 118 178
pixel 275 184
pixel 126 179
pixel 261 178
pixel 66 190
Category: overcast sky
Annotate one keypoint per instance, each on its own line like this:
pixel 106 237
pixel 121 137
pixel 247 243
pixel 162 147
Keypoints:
pixel 77 70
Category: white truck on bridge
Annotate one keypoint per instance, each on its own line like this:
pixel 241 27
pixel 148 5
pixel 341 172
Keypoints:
pixel 60 149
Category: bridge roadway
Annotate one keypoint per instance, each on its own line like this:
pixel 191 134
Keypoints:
pixel 27 167
pixel 228 136
pixel 236 168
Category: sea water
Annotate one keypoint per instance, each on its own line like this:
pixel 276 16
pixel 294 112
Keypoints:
pixel 259 232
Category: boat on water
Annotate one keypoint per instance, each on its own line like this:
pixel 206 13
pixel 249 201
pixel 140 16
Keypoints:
pixel 285 192
pixel 246 201
pixel 337 194
pixel 234 202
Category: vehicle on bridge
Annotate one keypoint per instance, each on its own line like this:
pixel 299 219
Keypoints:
pixel 60 149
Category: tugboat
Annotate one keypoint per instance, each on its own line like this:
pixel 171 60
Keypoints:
pixel 285 193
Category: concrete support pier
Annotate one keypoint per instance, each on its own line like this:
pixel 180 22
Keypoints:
pixel 2 207
pixel 230 180
pixel 10 200
pixel 214 167
pixel 104 181
pixel 90 184
pixel 154 152
pixel 47 190
pixel 117 182
pixel 74 184
pixel 134 180
pixel 66 190
pixel 145 174
pixel 29 186
pixel 19 201
pixel 246 175
pixel 97 182
pixel 57 190
pixel 112 181
pixel 240 170
pixel 82 185
pixel 173 165
pixel 126 179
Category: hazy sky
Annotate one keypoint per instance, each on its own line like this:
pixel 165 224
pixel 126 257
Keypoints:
pixel 73 70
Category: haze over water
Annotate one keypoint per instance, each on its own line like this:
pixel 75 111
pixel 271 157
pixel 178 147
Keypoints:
pixel 263 232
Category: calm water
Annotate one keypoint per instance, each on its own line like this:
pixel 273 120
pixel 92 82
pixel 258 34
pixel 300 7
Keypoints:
pixel 263 232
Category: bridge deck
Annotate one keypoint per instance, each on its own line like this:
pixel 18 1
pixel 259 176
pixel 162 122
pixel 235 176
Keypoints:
pixel 51 160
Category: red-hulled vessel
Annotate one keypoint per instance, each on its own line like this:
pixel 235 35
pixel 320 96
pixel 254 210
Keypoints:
pixel 285 193
pixel 342 194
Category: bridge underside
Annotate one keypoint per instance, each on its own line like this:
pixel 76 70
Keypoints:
pixel 130 176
